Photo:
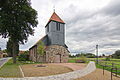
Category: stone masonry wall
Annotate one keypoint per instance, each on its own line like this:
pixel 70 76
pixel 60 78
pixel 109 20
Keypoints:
pixel 51 53
pixel 54 50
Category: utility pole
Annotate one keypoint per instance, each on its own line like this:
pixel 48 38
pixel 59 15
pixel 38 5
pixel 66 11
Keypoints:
pixel 97 53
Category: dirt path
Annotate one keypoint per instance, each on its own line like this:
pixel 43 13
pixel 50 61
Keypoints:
pixel 3 60
pixel 73 66
pixel 98 75
pixel 31 70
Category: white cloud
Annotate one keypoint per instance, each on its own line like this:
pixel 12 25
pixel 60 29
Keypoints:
pixel 88 22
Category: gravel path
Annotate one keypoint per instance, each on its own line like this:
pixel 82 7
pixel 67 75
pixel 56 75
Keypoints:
pixel 31 70
pixel 73 66
pixel 3 60
pixel 98 75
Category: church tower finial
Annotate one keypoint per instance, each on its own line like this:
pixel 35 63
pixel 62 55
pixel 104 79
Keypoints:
pixel 54 8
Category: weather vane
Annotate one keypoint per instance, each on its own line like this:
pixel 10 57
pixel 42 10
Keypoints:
pixel 54 8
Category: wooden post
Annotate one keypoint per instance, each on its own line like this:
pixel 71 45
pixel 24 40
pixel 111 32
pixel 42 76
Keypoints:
pixel 111 73
pixel 103 69
pixel 116 71
pixel 97 54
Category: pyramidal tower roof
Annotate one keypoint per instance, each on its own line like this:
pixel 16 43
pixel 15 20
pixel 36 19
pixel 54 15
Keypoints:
pixel 55 17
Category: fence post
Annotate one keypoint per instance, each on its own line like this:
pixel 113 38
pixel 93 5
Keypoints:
pixel 116 71
pixel 111 73
pixel 103 69
pixel 112 65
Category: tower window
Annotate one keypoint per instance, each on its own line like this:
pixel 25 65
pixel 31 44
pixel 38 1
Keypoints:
pixel 57 26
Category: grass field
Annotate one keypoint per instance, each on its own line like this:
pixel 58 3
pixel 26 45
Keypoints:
pixel 72 60
pixel 10 70
pixel 109 65
pixel 102 61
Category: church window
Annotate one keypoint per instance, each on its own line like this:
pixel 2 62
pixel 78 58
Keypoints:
pixel 58 26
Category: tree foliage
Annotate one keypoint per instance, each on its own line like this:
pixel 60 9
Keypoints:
pixel 88 55
pixel 116 54
pixel 17 20
pixel 24 56
pixel 4 51
pixel 40 48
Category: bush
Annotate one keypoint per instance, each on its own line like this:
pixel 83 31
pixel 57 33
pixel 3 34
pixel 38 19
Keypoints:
pixel 23 57
pixel 82 59
pixel 107 59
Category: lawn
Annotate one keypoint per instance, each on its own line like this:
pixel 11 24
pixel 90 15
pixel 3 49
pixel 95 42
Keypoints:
pixel 101 61
pixel 10 70
pixel 115 63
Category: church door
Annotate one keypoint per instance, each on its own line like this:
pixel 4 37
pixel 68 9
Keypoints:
pixel 57 58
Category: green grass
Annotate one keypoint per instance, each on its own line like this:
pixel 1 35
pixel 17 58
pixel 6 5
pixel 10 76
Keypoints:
pixel 71 61
pixel 10 70
pixel 109 63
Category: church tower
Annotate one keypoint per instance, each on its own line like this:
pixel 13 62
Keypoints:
pixel 55 48
pixel 55 29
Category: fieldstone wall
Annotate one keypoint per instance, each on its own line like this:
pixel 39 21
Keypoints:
pixel 53 51
pixel 53 54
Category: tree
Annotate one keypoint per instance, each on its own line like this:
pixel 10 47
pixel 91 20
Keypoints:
pixel 90 55
pixel 4 51
pixel 116 54
pixel 17 20
pixel 40 49
pixel 103 55
pixel 24 56
pixel 9 48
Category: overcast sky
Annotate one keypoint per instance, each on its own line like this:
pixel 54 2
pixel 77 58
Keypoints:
pixel 88 22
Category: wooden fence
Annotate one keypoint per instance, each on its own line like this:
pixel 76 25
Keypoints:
pixel 111 67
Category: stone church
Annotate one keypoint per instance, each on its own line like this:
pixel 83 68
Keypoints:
pixel 56 50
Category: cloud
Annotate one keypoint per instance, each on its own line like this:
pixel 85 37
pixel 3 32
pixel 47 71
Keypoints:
pixel 88 22
pixel 97 27
pixel 113 8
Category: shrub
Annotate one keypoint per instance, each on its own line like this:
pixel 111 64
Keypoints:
pixel 107 59
pixel 23 57
pixel 82 59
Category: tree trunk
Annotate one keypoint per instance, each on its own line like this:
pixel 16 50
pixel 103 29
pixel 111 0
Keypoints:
pixel 15 52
